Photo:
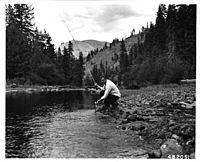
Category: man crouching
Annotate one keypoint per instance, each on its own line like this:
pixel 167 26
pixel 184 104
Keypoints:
pixel 109 93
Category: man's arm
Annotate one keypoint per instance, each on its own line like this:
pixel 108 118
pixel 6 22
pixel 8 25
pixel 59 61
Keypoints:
pixel 99 87
pixel 105 94
pixel 107 91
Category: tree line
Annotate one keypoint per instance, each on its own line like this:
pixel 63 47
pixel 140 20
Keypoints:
pixel 31 57
pixel 165 51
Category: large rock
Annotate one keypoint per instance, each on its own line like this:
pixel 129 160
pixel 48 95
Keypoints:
pixel 171 148
pixel 192 155
pixel 154 154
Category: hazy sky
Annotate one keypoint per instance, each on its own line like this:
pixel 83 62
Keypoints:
pixel 97 20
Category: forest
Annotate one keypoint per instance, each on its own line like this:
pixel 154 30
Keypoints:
pixel 31 57
pixel 164 53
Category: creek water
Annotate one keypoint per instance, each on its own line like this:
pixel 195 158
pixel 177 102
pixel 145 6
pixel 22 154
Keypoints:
pixel 63 125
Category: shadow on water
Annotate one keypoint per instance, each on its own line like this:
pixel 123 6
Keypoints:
pixel 61 125
pixel 23 102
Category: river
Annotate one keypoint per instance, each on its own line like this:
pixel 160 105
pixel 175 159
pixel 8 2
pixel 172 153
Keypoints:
pixel 63 125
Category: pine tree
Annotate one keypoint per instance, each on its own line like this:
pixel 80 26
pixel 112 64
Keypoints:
pixel 81 71
pixel 105 45
pixel 95 73
pixel 77 73
pixel 123 61
pixel 160 27
pixel 191 38
pixel 186 18
pixel 149 42
pixel 102 68
pixel 70 49
pixel 123 57
pixel 186 35
pixel 49 50
pixel 88 57
pixel 66 66
pixel 59 61
pixel 131 56
pixel 37 57
pixel 19 35
pixel 171 32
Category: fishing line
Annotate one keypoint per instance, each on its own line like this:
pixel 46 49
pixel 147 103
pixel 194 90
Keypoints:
pixel 74 41
pixel 91 75
pixel 70 33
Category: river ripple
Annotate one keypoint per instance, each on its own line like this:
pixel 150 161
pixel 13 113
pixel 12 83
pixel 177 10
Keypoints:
pixel 59 133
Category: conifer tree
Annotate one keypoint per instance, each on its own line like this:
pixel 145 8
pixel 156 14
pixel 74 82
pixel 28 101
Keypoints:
pixel 37 57
pixel 49 50
pixel 160 28
pixel 19 35
pixel 77 73
pixel 66 66
pixel 171 32
pixel 81 69
pixel 131 56
pixel 123 58
pixel 70 49
pixel 95 73
pixel 59 60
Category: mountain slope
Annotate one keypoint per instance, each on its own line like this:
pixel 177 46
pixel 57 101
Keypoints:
pixel 107 54
pixel 84 46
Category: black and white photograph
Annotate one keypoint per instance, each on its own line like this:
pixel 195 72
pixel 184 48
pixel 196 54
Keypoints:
pixel 99 79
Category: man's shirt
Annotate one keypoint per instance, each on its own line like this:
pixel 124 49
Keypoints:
pixel 110 88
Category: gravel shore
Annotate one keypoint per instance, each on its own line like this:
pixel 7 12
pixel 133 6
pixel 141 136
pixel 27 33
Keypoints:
pixel 163 117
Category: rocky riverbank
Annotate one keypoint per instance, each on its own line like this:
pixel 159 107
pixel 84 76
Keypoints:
pixel 164 117
pixel 29 89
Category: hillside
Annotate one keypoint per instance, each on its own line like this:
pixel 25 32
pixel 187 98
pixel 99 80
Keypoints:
pixel 84 46
pixel 108 53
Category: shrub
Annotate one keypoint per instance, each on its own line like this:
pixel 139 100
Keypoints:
pixel 36 79
pixel 145 73
pixel 159 70
pixel 174 71
pixel 49 73
pixel 130 78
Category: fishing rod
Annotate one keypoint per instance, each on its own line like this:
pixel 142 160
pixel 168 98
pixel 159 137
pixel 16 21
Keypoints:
pixel 70 33
pixel 75 43
pixel 91 75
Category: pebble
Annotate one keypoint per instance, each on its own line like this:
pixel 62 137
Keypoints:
pixel 174 136
pixel 159 111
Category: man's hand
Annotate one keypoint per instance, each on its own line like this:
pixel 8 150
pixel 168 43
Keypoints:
pixel 95 84
pixel 97 101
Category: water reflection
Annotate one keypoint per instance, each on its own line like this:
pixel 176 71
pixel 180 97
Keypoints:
pixel 60 125
pixel 23 103
pixel 26 113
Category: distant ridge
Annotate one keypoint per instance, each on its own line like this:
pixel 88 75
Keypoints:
pixel 84 46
